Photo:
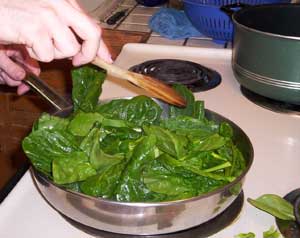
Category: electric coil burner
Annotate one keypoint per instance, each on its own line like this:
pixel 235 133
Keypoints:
pixel 271 104
pixel 204 230
pixel 195 76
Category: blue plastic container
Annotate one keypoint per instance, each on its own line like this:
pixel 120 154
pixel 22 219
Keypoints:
pixel 207 17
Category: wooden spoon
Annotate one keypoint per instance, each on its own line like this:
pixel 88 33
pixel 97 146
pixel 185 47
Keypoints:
pixel 155 87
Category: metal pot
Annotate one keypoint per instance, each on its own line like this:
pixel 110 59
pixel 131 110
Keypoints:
pixel 266 50
pixel 139 218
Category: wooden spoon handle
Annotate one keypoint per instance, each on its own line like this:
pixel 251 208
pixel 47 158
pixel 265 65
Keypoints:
pixel 111 69
pixel 154 86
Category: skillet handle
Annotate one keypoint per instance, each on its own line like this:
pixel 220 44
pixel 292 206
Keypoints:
pixel 230 9
pixel 39 86
pixel 297 210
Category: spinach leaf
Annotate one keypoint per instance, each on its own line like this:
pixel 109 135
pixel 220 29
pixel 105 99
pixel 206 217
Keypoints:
pixel 95 135
pixel 82 123
pixel 111 144
pixel 100 160
pixel 42 146
pixel 131 186
pixel 117 138
pixel 226 130
pixel 271 233
pixel 189 126
pixel 139 110
pixel 190 100
pixel 199 171
pixel 212 142
pixel 50 122
pixel 199 110
pixel 245 235
pixel 170 185
pixel 193 109
pixel 274 205
pixel 92 146
pixel 167 141
pixel 71 167
pixel 104 183
pixel 167 167
pixel 238 164
pixel 87 87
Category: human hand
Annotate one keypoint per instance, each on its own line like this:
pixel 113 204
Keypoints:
pixel 13 60
pixel 49 29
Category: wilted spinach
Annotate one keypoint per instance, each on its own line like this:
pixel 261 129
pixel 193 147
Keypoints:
pixel 126 150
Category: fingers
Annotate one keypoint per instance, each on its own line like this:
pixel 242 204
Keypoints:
pixel 19 54
pixel 50 38
pixel 9 55
pixel 104 53
pixel 84 27
pixel 32 65
pixel 22 89
pixel 64 41
pixel 41 48
pixel 6 79
pixel 10 70
pixel 51 31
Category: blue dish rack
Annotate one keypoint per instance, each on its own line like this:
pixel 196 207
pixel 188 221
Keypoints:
pixel 207 17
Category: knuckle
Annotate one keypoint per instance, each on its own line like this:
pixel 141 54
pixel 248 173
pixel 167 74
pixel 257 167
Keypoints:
pixel 43 55
pixel 72 50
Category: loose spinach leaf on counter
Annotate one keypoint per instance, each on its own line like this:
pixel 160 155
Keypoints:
pixel 129 150
pixel 274 205
pixel 87 87
pixel 272 233
pixel 245 235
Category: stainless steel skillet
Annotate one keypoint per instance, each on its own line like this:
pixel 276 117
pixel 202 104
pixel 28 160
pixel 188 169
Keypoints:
pixel 139 218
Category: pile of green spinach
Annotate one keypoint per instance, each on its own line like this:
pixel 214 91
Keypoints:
pixel 125 150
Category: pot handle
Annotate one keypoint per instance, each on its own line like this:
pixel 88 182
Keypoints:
pixel 297 209
pixel 230 9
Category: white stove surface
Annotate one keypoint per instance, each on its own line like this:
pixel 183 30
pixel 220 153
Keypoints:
pixel 275 138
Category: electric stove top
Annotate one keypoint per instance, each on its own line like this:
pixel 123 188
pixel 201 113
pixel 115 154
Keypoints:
pixel 275 138
pixel 194 76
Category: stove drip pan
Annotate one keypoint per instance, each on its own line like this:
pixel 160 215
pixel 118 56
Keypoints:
pixel 271 104
pixel 204 230
pixel 171 71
